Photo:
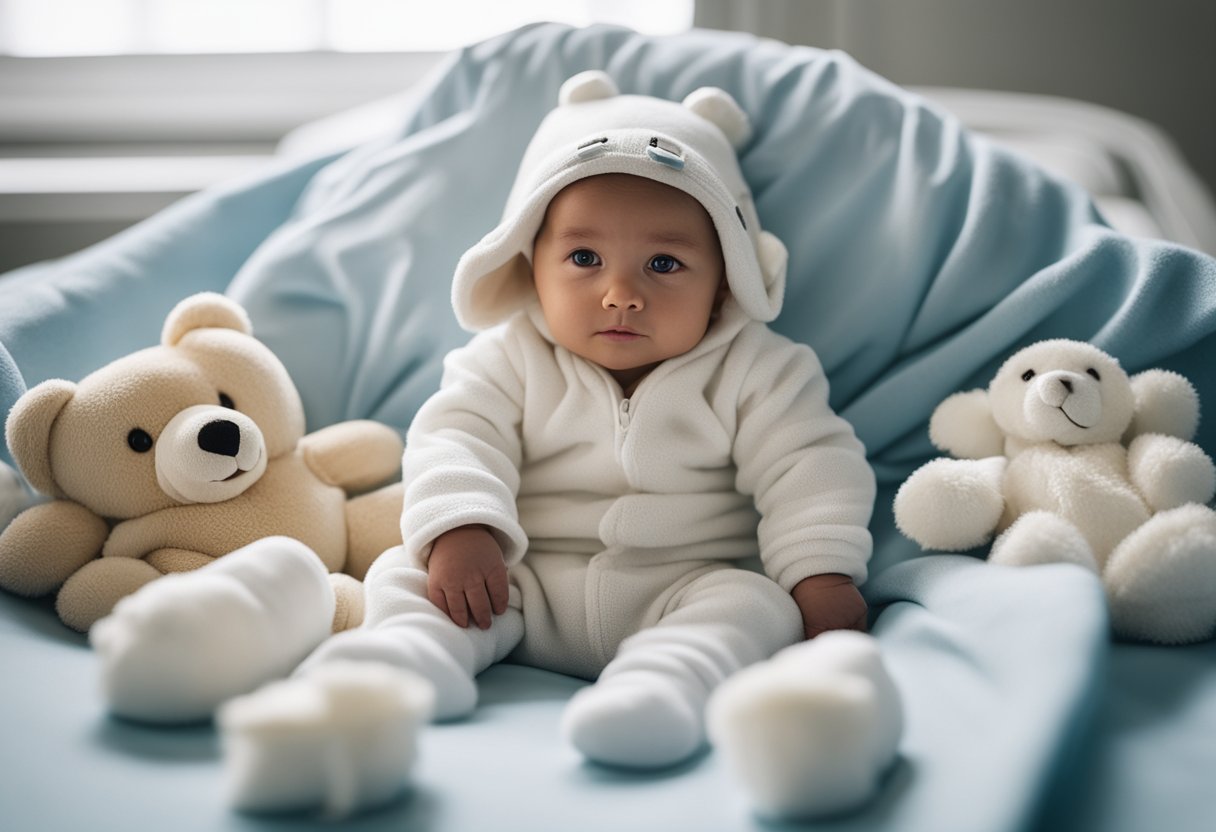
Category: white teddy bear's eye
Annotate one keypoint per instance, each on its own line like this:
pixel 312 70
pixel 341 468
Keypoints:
pixel 1028 375
pixel 1094 373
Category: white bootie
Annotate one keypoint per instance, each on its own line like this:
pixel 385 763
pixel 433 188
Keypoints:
pixel 340 739
pixel 809 732
pixel 635 720
pixel 182 644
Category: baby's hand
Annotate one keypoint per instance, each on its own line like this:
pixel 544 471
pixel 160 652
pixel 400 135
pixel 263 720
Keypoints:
pixel 829 602
pixel 468 575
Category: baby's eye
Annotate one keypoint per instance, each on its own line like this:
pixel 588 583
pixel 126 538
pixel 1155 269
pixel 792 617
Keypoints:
pixel 664 263
pixel 584 258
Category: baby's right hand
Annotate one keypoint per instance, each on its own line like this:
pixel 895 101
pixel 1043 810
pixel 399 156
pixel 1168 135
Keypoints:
pixel 468 575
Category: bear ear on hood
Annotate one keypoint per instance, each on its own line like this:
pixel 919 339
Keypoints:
pixel 206 310
pixel 28 429
pixel 718 107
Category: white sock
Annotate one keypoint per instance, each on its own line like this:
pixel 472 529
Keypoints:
pixel 809 732
pixel 183 644
pixel 637 718
pixel 340 739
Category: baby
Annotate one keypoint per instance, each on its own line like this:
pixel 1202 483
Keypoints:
pixel 621 433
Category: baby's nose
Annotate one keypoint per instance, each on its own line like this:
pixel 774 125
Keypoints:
pixel 622 293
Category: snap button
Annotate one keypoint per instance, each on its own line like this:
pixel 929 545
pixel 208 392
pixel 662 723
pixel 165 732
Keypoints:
pixel 592 148
pixel 664 156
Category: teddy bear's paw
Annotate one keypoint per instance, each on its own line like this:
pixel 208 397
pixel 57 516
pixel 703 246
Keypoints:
pixel 349 603
pixel 637 719
pixel 184 643
pixel 1170 472
pixel 951 505
pixel 1039 537
pixel 810 732
pixel 1161 579
pixel 339 739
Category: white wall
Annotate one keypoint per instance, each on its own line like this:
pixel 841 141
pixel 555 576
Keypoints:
pixel 1153 58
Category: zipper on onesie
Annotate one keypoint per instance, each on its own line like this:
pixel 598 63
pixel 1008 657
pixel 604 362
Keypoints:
pixel 624 414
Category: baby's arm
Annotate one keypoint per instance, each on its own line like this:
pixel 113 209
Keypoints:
pixel 461 475
pixel 809 477
pixel 467 576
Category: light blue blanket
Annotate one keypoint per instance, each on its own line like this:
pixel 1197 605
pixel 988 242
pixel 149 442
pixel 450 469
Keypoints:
pixel 920 256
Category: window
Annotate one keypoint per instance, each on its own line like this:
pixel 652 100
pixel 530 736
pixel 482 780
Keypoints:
pixel 40 28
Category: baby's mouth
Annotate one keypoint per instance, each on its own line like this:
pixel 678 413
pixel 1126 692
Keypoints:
pixel 619 333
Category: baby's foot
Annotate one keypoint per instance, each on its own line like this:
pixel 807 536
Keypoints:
pixel 184 643
pixel 809 732
pixel 341 738
pixel 632 721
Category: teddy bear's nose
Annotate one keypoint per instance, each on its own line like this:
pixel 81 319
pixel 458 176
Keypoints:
pixel 220 437
pixel 1067 384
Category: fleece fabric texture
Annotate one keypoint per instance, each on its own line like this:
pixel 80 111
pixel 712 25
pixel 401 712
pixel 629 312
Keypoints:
pixel 725 452
pixel 920 257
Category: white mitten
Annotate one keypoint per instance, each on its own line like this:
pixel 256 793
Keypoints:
pixel 809 732
pixel 341 738
pixel 184 643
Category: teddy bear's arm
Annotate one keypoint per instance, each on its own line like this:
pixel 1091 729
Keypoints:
pixel 46 544
pixel 952 505
pixel 1170 472
pixel 354 455
pixel 963 426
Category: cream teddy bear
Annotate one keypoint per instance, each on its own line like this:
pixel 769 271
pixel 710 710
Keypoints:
pixel 1067 459
pixel 170 457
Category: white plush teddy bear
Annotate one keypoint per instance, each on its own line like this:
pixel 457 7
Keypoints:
pixel 1070 460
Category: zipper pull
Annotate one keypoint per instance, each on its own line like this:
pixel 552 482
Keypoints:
pixel 624 414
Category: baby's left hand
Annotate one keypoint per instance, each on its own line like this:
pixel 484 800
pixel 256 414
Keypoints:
pixel 829 602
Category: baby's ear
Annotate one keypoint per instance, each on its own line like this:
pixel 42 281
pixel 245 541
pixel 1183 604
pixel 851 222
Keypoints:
pixel 1165 403
pixel 28 429
pixel 962 426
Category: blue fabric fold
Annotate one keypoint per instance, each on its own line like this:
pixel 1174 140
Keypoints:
pixel 920 257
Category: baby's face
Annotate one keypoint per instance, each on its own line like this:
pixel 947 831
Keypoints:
pixel 629 272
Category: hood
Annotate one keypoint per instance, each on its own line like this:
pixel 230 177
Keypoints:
pixel 594 130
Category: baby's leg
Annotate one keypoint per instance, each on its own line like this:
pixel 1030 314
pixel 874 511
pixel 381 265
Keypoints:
pixel 647 708
pixel 339 734
pixel 403 629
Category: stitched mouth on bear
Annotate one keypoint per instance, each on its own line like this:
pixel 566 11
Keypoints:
pixel 1069 418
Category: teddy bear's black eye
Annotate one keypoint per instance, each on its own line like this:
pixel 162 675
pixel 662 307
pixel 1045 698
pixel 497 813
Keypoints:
pixel 1028 375
pixel 1094 373
pixel 226 401
pixel 140 441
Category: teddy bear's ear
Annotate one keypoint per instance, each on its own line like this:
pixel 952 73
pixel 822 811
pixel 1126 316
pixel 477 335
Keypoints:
pixel 1165 403
pixel 204 310
pixel 28 429
pixel 962 426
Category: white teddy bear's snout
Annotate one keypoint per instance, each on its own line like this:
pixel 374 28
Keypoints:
pixel 1076 397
